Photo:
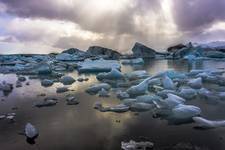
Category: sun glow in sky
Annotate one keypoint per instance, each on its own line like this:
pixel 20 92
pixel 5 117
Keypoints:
pixel 30 26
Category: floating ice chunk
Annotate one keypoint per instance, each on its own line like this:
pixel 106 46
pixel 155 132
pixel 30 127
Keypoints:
pixel 195 83
pixel 18 84
pixel 137 75
pixel 194 72
pixel 206 124
pixel 139 107
pixel 103 93
pixel 168 83
pixel 22 79
pixel 188 93
pixel 62 89
pixel 185 111
pixel 139 89
pixel 172 74
pixel 148 99
pixel 47 82
pixel 122 95
pixel 119 108
pixel 137 61
pixel 46 103
pixel 156 81
pixel 222 95
pixel 132 145
pixel 129 101
pixel 164 93
pixel 67 80
pixel 97 87
pixel 30 131
pixel 72 101
pixel 67 57
pixel 170 102
pixel 6 87
pixel 114 74
pixel 100 65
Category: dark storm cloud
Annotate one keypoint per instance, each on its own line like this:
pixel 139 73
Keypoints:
pixel 77 11
pixel 196 15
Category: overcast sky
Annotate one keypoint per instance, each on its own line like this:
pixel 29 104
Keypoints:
pixel 43 26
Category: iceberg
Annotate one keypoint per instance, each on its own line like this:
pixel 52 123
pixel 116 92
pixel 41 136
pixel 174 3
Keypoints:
pixel 62 89
pixel 168 83
pixel 46 103
pixel 67 80
pixel 195 83
pixel 122 95
pixel 30 131
pixel 72 101
pixel 148 99
pixel 47 82
pixel 140 74
pixel 94 89
pixel 132 145
pixel 185 112
pixel 222 95
pixel 100 65
pixel 137 61
pixel 103 93
pixel 139 89
pixel 207 124
pixel 188 93
pixel 170 102
pixel 114 74
pixel 140 107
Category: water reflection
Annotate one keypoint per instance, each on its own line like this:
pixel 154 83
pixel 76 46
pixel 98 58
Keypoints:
pixel 82 127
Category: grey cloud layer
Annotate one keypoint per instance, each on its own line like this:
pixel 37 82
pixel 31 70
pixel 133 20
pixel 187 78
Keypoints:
pixel 190 16
pixel 196 15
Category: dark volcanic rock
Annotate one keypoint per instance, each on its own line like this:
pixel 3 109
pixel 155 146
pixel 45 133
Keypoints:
pixel 176 47
pixel 97 50
pixel 74 51
pixel 140 50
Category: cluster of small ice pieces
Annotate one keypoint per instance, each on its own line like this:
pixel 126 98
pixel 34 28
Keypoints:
pixel 164 94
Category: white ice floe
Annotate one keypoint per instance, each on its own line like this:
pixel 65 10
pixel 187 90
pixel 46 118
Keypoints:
pixel 170 102
pixel 188 93
pixel 185 111
pixel 137 61
pixel 164 93
pixel 139 107
pixel 30 131
pixel 132 145
pixel 168 83
pixel 222 95
pixel 72 101
pixel 62 89
pixel 103 93
pixel 47 82
pixel 195 83
pixel 136 75
pixel 139 89
pixel 46 103
pixel 148 99
pixel 114 74
pixel 206 124
pixel 67 80
pixel 67 57
pixel 100 65
pixel 94 89
pixel 122 95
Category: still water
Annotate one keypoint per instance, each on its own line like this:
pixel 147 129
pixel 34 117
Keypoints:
pixel 81 127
